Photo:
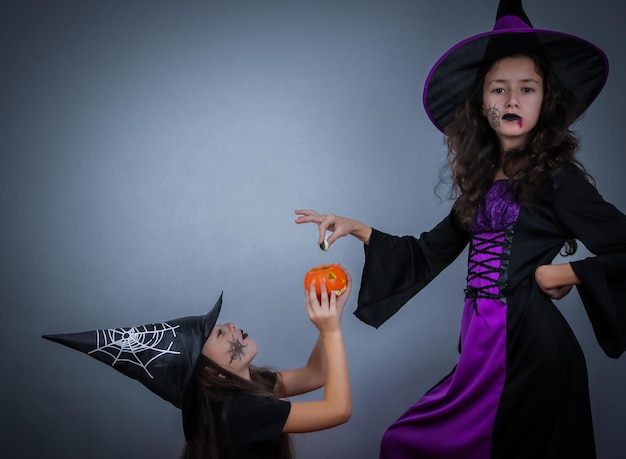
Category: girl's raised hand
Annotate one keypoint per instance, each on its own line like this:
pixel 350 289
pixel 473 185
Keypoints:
pixel 323 312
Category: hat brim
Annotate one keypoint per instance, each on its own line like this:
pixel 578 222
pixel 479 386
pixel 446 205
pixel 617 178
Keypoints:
pixel 581 66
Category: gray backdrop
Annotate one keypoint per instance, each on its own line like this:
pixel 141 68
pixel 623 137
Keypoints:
pixel 153 154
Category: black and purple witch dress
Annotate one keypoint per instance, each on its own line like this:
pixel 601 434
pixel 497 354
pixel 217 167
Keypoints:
pixel 520 387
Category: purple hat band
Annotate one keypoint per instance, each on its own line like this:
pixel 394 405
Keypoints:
pixel 510 22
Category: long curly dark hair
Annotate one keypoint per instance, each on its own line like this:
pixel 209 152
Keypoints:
pixel 205 408
pixel 474 154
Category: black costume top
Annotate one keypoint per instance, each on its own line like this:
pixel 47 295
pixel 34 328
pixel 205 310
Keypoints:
pixel 255 424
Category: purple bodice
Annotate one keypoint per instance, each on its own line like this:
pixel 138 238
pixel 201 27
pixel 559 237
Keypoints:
pixel 486 265
pixel 498 211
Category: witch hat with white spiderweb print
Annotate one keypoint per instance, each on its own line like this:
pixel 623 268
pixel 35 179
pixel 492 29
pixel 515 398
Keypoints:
pixel 161 356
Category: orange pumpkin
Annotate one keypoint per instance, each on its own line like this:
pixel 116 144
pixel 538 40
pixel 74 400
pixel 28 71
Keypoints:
pixel 332 275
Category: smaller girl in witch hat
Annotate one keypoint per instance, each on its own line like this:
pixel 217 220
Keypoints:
pixel 505 100
pixel 232 409
pixel 225 386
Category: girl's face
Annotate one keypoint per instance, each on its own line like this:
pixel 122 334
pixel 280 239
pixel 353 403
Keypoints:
pixel 512 98
pixel 230 348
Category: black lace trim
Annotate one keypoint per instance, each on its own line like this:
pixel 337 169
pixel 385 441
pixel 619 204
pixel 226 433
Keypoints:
pixel 494 251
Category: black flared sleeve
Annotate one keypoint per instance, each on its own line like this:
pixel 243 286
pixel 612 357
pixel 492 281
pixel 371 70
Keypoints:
pixel 397 267
pixel 601 227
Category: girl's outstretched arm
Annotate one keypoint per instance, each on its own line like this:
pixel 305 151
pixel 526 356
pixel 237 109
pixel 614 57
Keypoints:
pixel 336 406
pixel 312 376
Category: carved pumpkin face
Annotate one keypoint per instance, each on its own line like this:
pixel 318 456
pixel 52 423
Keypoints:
pixel 332 275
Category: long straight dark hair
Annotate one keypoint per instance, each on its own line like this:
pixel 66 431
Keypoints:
pixel 205 408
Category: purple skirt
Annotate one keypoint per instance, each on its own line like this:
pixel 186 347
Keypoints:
pixel 455 419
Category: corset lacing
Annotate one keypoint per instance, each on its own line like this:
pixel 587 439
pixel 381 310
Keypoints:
pixel 486 268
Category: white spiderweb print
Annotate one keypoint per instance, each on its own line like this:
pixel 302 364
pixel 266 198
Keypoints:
pixel 137 345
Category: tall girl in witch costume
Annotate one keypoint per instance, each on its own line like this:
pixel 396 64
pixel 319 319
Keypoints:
pixel 505 100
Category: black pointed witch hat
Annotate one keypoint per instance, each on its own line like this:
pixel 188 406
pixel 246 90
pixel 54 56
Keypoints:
pixel 161 356
pixel 581 66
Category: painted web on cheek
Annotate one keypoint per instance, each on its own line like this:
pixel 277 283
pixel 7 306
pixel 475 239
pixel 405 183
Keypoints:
pixel 136 345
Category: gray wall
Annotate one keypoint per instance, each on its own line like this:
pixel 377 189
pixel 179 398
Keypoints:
pixel 152 155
